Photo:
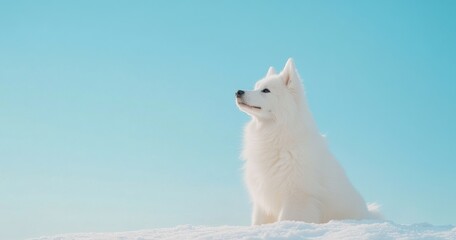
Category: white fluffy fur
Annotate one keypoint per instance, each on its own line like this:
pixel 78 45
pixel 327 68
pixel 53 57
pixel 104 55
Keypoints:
pixel 289 170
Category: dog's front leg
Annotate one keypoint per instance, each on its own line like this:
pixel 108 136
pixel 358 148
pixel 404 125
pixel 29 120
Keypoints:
pixel 307 210
pixel 259 216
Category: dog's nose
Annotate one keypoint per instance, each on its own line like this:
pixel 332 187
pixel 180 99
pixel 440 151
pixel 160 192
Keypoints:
pixel 239 93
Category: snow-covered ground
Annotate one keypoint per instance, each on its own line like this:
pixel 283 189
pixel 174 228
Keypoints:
pixel 283 230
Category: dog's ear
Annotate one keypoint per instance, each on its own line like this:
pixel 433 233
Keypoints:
pixel 271 71
pixel 289 74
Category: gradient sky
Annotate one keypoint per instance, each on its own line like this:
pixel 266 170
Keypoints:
pixel 120 115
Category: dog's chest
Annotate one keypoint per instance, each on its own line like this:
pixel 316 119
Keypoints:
pixel 274 169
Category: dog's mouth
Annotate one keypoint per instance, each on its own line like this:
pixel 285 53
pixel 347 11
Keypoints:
pixel 242 104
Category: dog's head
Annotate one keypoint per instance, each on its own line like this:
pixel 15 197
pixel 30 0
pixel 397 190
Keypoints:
pixel 276 96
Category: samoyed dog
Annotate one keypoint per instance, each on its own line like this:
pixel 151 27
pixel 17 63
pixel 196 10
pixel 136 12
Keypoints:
pixel 290 172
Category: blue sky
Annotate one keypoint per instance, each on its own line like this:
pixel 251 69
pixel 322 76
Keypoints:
pixel 120 115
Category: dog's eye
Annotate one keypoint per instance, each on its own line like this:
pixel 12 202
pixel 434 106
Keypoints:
pixel 265 90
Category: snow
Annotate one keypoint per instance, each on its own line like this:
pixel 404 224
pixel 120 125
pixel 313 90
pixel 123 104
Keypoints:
pixel 340 230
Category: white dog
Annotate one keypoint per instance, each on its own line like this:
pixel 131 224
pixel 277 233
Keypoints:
pixel 289 171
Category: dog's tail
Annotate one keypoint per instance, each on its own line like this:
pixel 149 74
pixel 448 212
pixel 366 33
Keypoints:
pixel 374 211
